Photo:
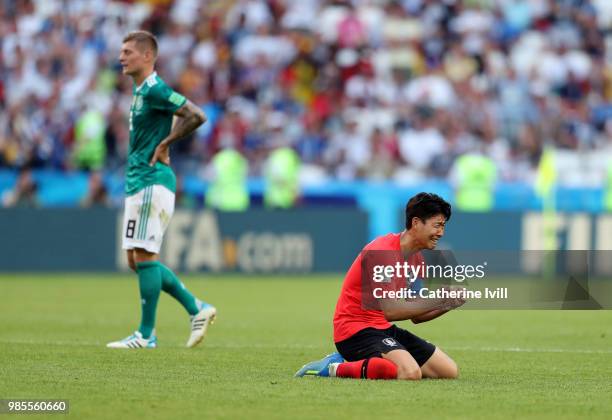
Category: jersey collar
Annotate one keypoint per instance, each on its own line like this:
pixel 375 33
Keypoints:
pixel 149 77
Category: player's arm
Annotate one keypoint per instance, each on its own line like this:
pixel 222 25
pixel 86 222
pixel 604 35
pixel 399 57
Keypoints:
pixel 433 314
pixel 418 310
pixel 187 119
pixel 402 310
pixel 428 316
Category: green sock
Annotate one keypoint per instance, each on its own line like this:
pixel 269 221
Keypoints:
pixel 175 288
pixel 150 281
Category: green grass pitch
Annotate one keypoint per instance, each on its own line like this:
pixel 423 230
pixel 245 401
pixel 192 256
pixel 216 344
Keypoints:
pixel 514 364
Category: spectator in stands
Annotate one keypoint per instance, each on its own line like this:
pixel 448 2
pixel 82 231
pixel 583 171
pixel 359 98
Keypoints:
pixel 24 194
pixel 496 66
pixel 281 173
pixel 90 147
pixel 97 194
pixel 227 190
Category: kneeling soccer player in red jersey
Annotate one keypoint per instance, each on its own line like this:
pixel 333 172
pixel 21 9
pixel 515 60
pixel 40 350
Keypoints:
pixel 368 345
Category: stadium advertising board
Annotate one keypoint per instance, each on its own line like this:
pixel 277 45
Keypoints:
pixel 527 231
pixel 57 239
pixel 260 241
pixel 256 241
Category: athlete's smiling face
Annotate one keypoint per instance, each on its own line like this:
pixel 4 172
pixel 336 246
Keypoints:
pixel 134 58
pixel 428 232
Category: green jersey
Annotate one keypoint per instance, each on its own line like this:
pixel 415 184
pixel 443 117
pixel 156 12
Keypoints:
pixel 151 113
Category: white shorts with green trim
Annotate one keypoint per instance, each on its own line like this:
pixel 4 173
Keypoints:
pixel 146 217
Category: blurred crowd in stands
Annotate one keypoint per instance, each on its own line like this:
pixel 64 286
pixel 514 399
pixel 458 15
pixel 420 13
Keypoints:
pixel 360 89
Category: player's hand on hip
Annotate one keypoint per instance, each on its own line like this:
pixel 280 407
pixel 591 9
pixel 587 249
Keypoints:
pixel 162 154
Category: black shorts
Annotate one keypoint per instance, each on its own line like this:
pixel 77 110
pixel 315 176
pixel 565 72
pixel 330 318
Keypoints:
pixel 371 342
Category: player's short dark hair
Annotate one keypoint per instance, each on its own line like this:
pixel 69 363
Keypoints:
pixel 426 205
pixel 143 38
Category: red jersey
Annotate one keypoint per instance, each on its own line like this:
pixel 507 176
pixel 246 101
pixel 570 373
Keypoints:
pixel 351 316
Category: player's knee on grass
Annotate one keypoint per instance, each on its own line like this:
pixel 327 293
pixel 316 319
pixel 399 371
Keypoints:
pixel 450 371
pixel 446 371
pixel 407 367
pixel 409 373
pixel 440 366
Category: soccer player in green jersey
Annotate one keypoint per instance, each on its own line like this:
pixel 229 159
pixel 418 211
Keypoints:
pixel 158 117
